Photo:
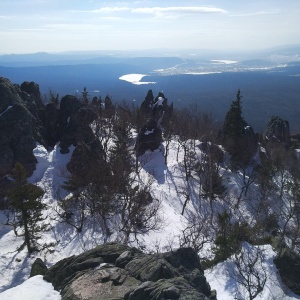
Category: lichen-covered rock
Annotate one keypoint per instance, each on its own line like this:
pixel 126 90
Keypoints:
pixel 151 268
pixel 127 256
pixel 38 268
pixel 65 270
pixel 116 271
pixel 101 283
pixel 176 288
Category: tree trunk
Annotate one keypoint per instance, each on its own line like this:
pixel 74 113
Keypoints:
pixel 26 231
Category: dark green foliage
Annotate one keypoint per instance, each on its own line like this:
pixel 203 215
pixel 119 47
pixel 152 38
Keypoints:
pixel 233 130
pixel 121 161
pixel 234 123
pixel 25 202
pixel 229 236
pixel 212 185
pixel 85 96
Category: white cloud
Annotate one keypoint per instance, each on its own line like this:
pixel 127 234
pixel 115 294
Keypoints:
pixel 109 9
pixel 257 13
pixel 7 17
pixel 179 9
pixel 71 27
pixel 158 10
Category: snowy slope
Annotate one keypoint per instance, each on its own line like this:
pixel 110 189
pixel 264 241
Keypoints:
pixel 168 185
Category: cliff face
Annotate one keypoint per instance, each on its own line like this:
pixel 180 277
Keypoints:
pixel 19 127
pixel 116 271
pixel 25 120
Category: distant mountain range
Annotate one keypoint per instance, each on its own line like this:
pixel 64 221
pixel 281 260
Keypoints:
pixel 269 80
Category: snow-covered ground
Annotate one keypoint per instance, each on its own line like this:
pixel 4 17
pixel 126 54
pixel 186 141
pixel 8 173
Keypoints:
pixel 168 186
pixel 34 288
pixel 222 279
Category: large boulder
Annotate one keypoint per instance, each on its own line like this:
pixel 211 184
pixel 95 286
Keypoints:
pixel 116 271
pixel 38 268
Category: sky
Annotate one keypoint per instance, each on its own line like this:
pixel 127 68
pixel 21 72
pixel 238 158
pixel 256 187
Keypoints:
pixel 29 26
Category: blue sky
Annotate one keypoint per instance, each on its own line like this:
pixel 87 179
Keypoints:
pixel 28 26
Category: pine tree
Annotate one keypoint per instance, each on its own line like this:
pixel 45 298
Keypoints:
pixel 233 129
pixel 85 94
pixel 25 202
pixel 121 162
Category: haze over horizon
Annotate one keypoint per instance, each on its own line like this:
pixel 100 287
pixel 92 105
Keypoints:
pixel 63 25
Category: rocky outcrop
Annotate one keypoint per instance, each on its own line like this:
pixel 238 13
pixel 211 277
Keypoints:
pixel 149 138
pixel 19 129
pixel 289 275
pixel 116 271
pixel 147 104
pixel 278 130
pixel 156 112
pixel 38 268
pixel 51 123
pixel 249 142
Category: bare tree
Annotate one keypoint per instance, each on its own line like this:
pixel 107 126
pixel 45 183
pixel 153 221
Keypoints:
pixel 197 233
pixel 249 271
pixel 139 212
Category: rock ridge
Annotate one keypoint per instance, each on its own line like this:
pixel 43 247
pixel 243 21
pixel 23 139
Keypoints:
pixel 116 271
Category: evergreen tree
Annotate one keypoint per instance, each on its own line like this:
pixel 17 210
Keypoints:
pixel 25 202
pixel 229 236
pixel 233 129
pixel 121 162
pixel 85 94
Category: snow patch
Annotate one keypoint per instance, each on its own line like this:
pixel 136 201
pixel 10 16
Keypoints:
pixel 8 108
pixel 220 278
pixel 147 132
pixel 35 288
pixel 135 79
pixel 224 61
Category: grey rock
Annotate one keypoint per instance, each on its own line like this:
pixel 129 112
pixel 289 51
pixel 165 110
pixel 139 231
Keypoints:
pixel 116 271
pixel 18 130
pixel 149 138
pixel 126 257
pixel 278 130
pixel 176 288
pixel 101 284
pixel 289 275
pixel 63 272
pixel 38 268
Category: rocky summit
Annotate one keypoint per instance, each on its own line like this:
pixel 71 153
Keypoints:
pixel 116 271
